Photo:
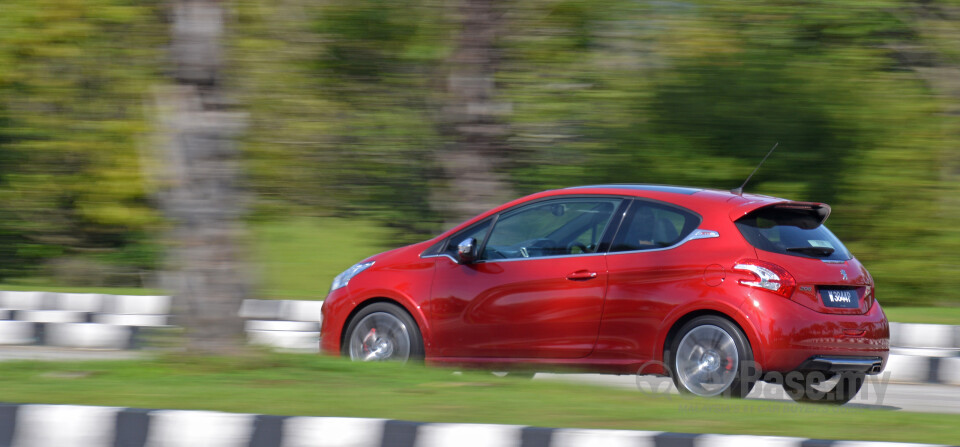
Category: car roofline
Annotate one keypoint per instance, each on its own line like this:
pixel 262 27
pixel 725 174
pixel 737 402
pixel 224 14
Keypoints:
pixel 737 204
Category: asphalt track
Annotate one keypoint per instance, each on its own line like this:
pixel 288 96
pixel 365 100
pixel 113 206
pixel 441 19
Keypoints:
pixel 877 393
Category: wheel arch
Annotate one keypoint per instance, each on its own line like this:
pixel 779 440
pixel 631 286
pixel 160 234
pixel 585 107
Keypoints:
pixel 666 340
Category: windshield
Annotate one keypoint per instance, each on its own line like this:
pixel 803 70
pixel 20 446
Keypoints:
pixel 794 232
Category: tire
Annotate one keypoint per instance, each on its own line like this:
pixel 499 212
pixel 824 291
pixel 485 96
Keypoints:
pixel 382 332
pixel 819 388
pixel 710 356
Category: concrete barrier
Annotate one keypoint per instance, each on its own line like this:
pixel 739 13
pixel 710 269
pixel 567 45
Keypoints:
pixel 913 335
pixel 17 332
pixel 88 335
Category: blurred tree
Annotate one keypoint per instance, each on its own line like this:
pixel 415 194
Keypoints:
pixel 72 75
pixel 383 110
pixel 931 49
pixel 682 92
pixel 200 186
pixel 695 93
pixel 342 99
pixel 472 120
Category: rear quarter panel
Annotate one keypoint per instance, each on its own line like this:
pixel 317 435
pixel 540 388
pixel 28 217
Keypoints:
pixel 651 291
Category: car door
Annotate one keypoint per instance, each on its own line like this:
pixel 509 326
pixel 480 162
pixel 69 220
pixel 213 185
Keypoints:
pixel 537 288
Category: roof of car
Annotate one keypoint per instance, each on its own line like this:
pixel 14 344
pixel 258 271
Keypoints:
pixel 703 196
pixel 697 199
pixel 644 187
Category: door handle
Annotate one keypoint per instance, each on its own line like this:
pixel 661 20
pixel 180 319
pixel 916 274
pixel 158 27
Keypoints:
pixel 581 275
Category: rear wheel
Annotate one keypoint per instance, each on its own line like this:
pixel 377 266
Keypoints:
pixel 710 356
pixel 382 332
pixel 819 388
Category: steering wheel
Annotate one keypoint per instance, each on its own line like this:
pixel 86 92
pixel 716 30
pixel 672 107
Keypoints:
pixel 583 247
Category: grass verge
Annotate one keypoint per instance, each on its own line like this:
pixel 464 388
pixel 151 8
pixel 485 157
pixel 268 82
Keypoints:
pixel 45 287
pixel 932 315
pixel 299 258
pixel 321 386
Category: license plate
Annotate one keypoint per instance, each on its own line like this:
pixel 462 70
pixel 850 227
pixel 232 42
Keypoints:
pixel 840 298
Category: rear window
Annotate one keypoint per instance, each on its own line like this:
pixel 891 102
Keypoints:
pixel 794 232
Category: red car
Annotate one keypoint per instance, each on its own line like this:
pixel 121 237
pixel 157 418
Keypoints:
pixel 716 289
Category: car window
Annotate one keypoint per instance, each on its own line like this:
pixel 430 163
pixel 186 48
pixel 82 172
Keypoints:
pixel 792 232
pixel 551 228
pixel 477 231
pixel 651 225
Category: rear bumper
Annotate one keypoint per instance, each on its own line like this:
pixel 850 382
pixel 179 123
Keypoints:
pixel 792 337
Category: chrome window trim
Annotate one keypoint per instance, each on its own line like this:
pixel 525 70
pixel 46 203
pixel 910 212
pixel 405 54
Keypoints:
pixel 486 261
pixel 442 255
pixel 699 233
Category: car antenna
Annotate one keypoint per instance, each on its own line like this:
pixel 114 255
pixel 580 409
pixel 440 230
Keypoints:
pixel 739 191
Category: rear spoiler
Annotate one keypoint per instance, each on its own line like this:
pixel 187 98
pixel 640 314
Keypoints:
pixel 820 211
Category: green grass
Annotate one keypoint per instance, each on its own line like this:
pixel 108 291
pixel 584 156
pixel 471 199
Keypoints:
pixel 296 259
pixel 322 386
pixel 44 286
pixel 936 315
pixel 299 258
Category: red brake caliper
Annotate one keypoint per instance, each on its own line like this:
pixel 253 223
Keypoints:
pixel 369 339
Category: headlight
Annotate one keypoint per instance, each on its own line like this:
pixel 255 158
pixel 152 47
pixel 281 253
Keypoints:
pixel 343 278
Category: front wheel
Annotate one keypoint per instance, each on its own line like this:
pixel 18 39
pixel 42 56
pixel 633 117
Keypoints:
pixel 819 388
pixel 382 332
pixel 710 356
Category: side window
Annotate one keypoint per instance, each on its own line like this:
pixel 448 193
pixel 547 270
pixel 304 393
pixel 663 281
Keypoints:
pixel 551 228
pixel 477 231
pixel 652 225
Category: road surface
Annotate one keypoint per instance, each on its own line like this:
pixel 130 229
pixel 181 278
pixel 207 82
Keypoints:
pixel 875 394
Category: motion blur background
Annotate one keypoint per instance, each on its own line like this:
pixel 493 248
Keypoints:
pixel 359 114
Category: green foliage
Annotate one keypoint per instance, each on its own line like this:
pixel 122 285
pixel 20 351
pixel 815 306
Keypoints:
pixel 699 101
pixel 345 96
pixel 345 123
pixel 72 79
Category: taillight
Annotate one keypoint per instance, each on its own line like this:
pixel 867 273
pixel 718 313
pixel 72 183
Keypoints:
pixel 767 276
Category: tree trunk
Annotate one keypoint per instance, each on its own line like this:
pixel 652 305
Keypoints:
pixel 474 158
pixel 199 175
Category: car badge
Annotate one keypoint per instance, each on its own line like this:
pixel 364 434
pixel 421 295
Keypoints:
pixel 844 274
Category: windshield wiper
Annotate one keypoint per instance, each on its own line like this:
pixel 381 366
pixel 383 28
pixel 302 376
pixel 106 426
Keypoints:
pixel 812 251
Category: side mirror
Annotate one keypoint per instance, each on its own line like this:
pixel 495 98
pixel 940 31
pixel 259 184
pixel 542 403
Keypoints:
pixel 467 251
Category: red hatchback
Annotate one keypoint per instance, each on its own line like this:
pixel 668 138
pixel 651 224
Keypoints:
pixel 716 289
